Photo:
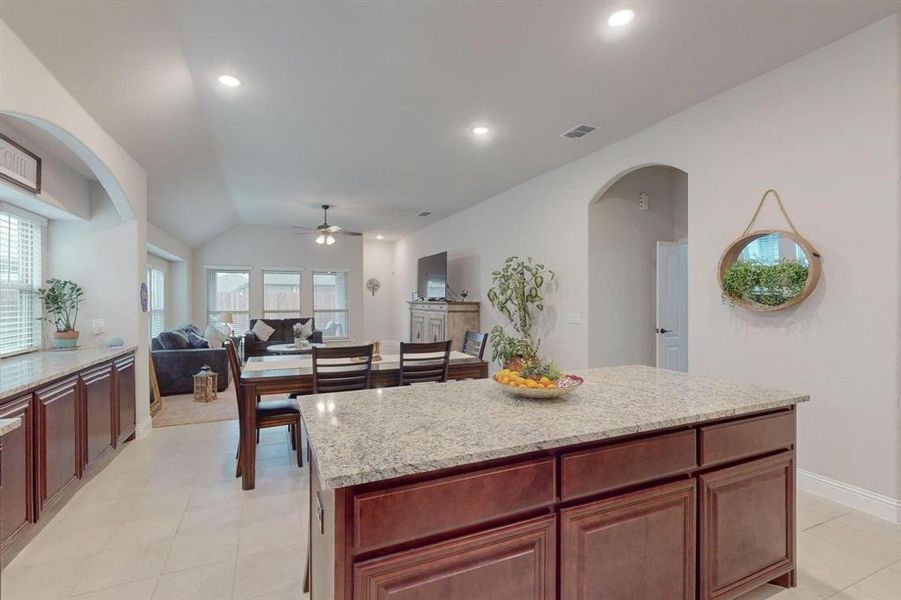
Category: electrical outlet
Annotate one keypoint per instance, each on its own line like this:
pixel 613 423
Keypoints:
pixel 574 318
pixel 98 326
pixel 643 203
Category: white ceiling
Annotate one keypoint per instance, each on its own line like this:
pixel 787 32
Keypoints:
pixel 369 105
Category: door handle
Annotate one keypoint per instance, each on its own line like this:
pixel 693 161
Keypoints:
pixel 662 330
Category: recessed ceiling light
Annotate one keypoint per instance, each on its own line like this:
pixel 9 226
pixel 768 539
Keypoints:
pixel 379 236
pixel 229 80
pixel 621 18
pixel 481 130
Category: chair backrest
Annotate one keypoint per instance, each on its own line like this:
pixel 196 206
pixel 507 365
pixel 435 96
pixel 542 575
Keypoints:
pixel 474 343
pixel 235 367
pixel 420 363
pixel 341 369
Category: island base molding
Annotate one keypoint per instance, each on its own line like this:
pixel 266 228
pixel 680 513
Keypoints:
pixel 705 511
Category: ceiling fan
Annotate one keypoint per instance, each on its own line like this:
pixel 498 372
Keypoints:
pixel 325 233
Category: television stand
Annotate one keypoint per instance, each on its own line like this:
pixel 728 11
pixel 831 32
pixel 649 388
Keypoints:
pixel 441 320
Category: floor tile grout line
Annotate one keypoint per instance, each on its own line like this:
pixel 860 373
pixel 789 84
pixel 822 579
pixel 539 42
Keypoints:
pixel 829 520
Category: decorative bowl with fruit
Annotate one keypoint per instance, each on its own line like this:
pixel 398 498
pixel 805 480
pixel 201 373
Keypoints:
pixel 541 380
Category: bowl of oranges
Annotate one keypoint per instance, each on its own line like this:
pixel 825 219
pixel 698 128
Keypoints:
pixel 541 381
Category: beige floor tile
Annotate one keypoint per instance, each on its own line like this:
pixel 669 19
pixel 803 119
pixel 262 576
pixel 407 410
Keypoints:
pixel 864 535
pixel 215 494
pixel 277 532
pixel 135 590
pixel 210 518
pixel 167 501
pixel 884 585
pixel 813 510
pixel 86 514
pixel 56 544
pixel 36 582
pixel 124 565
pixel 269 571
pixel 292 593
pixel 209 582
pixel 257 509
pixel 144 530
pixel 826 568
pixel 203 548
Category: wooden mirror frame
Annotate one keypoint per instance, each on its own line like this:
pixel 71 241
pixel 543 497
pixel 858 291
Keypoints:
pixel 730 256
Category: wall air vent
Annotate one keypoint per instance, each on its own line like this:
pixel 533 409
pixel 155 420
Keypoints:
pixel 578 131
pixel 425 213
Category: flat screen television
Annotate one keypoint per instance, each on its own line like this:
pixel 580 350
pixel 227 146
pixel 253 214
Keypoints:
pixel 432 280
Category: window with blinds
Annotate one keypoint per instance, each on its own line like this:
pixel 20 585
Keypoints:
pixel 228 292
pixel 156 292
pixel 20 278
pixel 330 303
pixel 281 294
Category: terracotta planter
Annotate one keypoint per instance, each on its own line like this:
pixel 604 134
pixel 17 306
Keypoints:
pixel 65 339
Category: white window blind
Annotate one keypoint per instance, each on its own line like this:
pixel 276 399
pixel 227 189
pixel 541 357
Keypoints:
pixel 330 303
pixel 20 277
pixel 156 290
pixel 228 291
pixel 764 249
pixel 281 294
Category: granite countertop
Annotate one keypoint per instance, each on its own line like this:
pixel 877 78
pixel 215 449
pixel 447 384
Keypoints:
pixel 19 373
pixel 7 425
pixel 373 435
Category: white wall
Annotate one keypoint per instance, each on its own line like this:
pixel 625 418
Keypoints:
pixel 622 264
pixel 824 131
pixel 30 92
pixel 378 310
pixel 261 247
pixel 180 280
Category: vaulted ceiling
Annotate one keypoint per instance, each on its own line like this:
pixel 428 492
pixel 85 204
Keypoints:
pixel 369 105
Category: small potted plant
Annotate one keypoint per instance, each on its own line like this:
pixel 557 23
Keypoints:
pixel 299 340
pixel 61 301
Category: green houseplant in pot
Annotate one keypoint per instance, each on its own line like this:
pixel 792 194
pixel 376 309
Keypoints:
pixel 61 302
pixel 517 293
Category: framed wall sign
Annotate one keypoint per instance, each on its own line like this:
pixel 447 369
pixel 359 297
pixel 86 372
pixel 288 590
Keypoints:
pixel 19 166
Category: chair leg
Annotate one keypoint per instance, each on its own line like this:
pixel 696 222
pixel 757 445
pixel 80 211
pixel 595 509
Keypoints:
pixel 239 466
pixel 298 445
pixel 293 436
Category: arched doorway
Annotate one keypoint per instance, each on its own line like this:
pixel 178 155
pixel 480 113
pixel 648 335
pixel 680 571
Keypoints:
pixel 637 269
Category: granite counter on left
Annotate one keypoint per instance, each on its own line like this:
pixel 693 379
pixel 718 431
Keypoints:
pixel 26 371
pixel 7 425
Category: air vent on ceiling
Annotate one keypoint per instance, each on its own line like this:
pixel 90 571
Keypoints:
pixel 425 213
pixel 578 131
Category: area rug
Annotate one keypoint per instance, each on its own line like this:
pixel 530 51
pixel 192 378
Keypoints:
pixel 181 409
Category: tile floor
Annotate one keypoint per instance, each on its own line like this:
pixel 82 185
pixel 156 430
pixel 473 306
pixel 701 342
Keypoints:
pixel 167 520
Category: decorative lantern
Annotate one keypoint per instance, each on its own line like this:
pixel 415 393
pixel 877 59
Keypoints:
pixel 205 384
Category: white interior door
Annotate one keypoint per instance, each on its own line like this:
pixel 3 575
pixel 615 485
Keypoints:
pixel 672 306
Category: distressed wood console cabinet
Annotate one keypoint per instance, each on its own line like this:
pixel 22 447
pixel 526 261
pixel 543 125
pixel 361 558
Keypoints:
pixel 701 511
pixel 70 428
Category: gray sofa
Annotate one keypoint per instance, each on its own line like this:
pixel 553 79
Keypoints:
pixel 175 364
pixel 283 334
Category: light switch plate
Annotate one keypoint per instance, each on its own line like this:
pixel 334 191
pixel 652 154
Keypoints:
pixel 574 318
pixel 98 326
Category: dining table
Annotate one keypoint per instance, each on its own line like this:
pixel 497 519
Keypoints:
pixel 293 374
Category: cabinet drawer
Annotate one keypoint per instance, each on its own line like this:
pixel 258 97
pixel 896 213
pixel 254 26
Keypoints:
pixel 734 440
pixel 386 517
pixel 604 469
pixel 516 561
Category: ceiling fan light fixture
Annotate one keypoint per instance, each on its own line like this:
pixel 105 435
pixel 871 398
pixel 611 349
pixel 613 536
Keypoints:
pixel 329 240
pixel 320 239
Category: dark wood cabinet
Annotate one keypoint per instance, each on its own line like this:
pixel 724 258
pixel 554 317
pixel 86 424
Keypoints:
pixel 99 430
pixel 58 440
pixel 125 398
pixel 17 467
pixel 747 525
pixel 638 545
pixel 516 561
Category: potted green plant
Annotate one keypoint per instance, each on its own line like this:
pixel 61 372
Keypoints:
pixel 517 294
pixel 61 301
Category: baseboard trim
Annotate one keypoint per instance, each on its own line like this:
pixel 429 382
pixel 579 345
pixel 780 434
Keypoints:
pixel 143 429
pixel 878 505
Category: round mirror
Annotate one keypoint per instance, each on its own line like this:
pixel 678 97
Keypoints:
pixel 769 270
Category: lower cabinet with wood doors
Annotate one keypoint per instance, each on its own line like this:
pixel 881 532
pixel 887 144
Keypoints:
pixel 703 511
pixel 70 427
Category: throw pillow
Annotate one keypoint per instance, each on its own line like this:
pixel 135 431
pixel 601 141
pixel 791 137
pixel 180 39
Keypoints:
pixel 173 340
pixel 262 331
pixel 306 328
pixel 214 336
pixel 196 341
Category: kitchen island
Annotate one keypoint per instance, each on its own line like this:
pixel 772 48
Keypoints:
pixel 642 483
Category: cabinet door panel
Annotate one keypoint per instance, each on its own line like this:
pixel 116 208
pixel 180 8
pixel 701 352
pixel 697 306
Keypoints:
pixel 17 510
pixel 747 525
pixel 436 328
pixel 98 412
pixel 417 328
pixel 59 449
pixel 125 396
pixel 517 561
pixel 631 547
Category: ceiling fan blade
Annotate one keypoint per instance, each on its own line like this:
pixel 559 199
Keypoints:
pixel 351 233
pixel 333 229
pixel 303 228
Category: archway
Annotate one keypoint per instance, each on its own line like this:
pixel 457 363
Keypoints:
pixel 639 218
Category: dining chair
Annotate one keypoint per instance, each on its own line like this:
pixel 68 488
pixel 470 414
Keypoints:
pixel 420 363
pixel 270 413
pixel 474 343
pixel 341 369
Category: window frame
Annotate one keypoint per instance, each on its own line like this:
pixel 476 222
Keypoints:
pixel 346 310
pixel 151 291
pixel 211 272
pixel 37 247
pixel 283 314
